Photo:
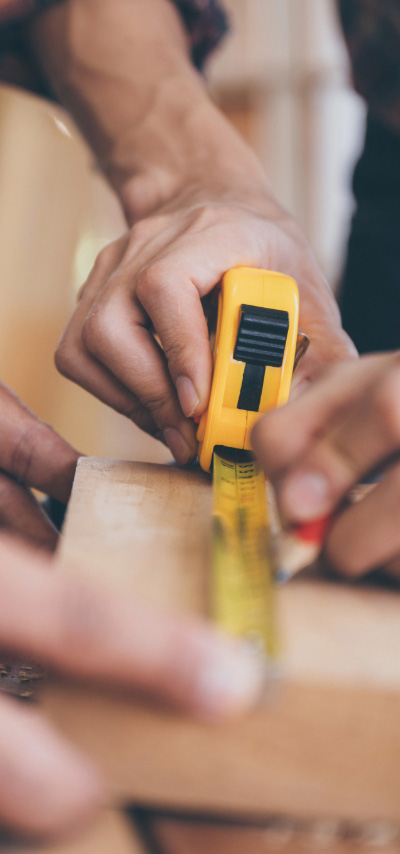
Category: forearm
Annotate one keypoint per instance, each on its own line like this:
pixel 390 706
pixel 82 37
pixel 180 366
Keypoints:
pixel 124 72
pixel 122 68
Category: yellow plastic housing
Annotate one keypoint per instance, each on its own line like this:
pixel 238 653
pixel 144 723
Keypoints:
pixel 223 423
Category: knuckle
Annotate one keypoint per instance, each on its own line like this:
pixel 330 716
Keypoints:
pixel 107 257
pixel 158 404
pixel 103 257
pixel 151 279
pixel 65 357
pixel 135 413
pixel 106 261
pixel 129 410
pixel 96 329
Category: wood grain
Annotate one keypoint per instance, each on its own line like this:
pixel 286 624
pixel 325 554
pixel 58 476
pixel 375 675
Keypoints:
pixel 144 529
pixel 327 743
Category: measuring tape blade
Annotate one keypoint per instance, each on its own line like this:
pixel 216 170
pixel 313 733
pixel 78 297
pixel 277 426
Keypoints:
pixel 243 565
pixel 254 330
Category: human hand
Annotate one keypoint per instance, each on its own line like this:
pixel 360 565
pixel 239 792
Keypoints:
pixel 197 203
pixel 317 447
pixel 31 455
pixel 89 633
pixel 155 277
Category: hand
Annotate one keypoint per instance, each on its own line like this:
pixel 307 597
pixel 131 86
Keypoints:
pixel 31 455
pixel 196 201
pixel 46 787
pixel 317 447
pixel 155 276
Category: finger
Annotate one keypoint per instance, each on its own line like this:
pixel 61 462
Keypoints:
pixel 366 536
pixel 74 362
pixel 106 262
pixel 23 516
pixel 46 787
pixel 113 334
pixel 172 279
pixel 365 437
pixel 284 435
pixel 91 633
pixel 172 301
pixel 31 451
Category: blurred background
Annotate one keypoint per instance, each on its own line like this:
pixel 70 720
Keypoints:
pixel 282 78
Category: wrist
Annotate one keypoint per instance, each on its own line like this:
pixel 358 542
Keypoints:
pixel 186 150
pixel 151 160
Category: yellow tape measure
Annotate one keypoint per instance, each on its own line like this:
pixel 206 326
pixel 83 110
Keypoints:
pixel 255 328
pixel 242 573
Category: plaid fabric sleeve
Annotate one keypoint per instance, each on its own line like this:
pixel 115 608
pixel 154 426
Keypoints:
pixel 372 31
pixel 12 10
pixel 205 21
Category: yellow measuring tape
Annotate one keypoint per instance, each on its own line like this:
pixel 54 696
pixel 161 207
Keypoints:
pixel 255 335
pixel 243 567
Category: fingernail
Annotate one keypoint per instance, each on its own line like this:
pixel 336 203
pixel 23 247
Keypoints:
pixel 188 397
pixel 231 680
pixel 305 496
pixel 179 447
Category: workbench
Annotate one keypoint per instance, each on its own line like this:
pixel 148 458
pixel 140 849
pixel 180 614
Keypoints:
pixel 317 768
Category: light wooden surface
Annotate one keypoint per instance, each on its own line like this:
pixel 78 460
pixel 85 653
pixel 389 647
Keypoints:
pixel 143 529
pixel 327 744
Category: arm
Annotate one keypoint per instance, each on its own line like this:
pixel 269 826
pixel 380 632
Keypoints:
pixel 196 201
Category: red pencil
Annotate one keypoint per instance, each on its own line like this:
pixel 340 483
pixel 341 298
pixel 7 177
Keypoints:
pixel 300 545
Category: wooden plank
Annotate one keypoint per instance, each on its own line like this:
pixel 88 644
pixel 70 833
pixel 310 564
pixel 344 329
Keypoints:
pixel 150 521
pixel 329 741
pixel 112 833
